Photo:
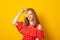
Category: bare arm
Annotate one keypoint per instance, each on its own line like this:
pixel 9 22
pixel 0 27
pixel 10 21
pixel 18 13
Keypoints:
pixel 39 28
pixel 14 22
pixel 39 39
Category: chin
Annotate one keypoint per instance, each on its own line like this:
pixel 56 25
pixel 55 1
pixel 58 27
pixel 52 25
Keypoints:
pixel 30 20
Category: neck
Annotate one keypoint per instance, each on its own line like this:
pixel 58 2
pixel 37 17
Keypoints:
pixel 31 22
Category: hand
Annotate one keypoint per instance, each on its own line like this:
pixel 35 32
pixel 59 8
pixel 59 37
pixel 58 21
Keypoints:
pixel 23 10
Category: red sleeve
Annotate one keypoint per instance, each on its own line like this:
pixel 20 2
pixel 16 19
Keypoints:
pixel 19 25
pixel 40 34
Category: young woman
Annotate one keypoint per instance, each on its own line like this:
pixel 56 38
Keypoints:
pixel 30 28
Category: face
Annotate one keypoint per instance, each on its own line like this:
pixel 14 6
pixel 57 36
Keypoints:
pixel 30 17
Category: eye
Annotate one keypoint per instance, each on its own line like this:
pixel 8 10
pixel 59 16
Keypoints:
pixel 31 15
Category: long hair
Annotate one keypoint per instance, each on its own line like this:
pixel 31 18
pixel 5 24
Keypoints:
pixel 35 18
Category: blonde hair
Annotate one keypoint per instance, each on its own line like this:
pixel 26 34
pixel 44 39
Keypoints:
pixel 35 19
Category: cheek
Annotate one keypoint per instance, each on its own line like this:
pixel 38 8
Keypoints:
pixel 32 16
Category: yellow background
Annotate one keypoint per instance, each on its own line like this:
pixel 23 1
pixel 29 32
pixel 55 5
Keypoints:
pixel 47 11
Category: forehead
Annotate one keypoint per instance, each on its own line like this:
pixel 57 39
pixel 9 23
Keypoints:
pixel 29 12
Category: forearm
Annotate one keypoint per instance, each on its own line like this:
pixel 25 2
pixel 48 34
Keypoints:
pixel 16 18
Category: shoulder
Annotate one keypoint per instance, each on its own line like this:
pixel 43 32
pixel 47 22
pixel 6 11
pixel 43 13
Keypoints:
pixel 39 27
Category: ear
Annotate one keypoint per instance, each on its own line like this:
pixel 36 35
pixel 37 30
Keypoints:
pixel 39 27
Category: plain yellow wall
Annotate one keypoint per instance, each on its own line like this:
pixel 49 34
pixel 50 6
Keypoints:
pixel 47 11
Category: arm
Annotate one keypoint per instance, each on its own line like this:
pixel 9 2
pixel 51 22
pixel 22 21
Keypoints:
pixel 16 18
pixel 39 39
pixel 39 28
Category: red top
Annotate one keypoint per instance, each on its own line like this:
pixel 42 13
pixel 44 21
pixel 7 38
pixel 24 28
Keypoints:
pixel 29 33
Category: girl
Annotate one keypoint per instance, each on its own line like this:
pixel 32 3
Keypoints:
pixel 30 28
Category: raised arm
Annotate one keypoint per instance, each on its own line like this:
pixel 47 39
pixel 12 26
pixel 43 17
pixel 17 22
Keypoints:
pixel 14 22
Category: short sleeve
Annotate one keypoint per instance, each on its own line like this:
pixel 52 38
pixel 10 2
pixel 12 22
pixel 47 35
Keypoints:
pixel 19 25
pixel 40 34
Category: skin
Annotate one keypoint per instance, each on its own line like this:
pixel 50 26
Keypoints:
pixel 30 18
